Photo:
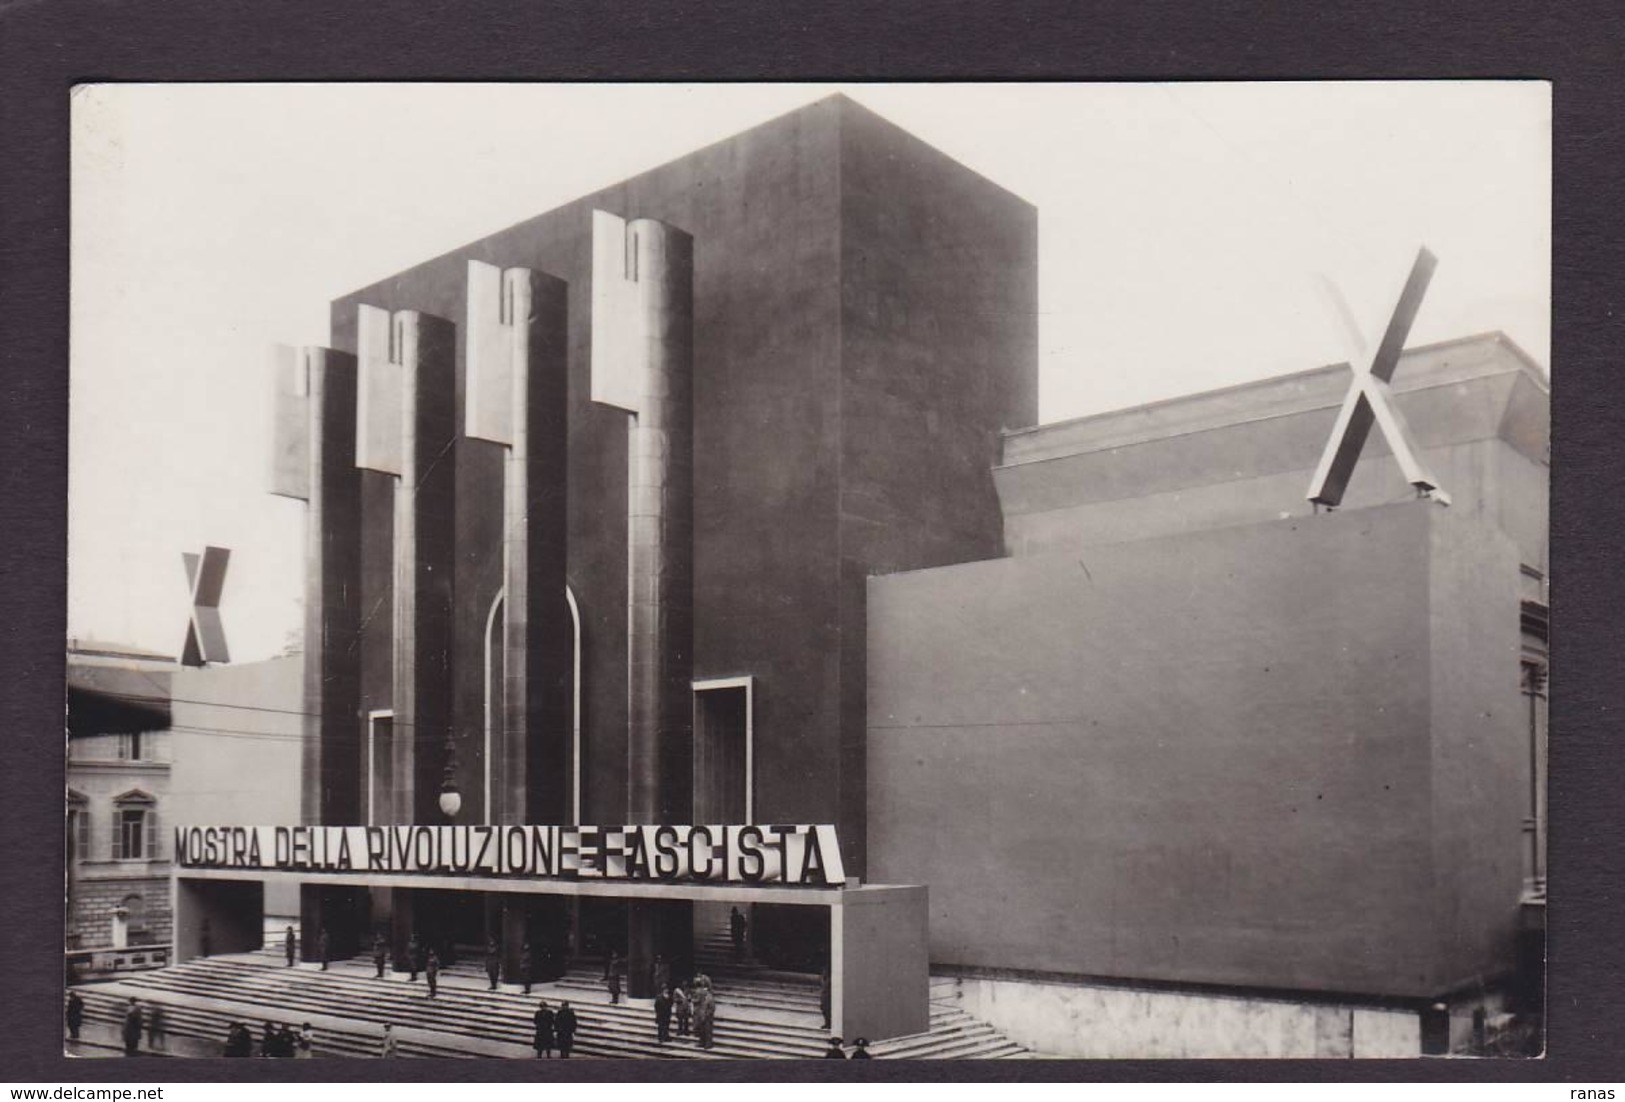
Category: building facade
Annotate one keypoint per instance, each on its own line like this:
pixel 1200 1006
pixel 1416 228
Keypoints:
pixel 1208 743
pixel 118 779
pixel 715 497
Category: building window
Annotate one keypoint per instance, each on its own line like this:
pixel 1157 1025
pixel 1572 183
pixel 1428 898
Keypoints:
pixel 135 919
pixel 1536 672
pixel 1535 697
pixel 129 746
pixel 135 827
pixel 78 826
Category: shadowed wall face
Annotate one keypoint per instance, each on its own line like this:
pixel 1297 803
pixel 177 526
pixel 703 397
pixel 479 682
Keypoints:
pixel 1213 758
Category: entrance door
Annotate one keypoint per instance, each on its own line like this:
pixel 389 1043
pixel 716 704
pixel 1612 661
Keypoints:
pixel 722 751
pixel 380 794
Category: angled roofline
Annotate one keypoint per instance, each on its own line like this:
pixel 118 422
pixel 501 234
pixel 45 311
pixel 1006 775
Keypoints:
pixel 1526 363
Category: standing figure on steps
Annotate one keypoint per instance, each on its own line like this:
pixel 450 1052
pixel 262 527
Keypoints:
pixel 493 962
pixel 736 931
pixel 431 970
pixel 663 1015
pixel 289 943
pixel 414 955
pixel 683 1006
pixel 388 1046
pixel 132 1029
pixel 614 984
pixel 566 1026
pixel 525 966
pixel 323 947
pixel 76 1014
pixel 705 1011
pixel 543 1039
pixel 156 1037
pixel 380 952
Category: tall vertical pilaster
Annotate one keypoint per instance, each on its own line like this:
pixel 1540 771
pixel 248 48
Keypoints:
pixel 406 426
pixel 516 396
pixel 643 352
pixel 314 406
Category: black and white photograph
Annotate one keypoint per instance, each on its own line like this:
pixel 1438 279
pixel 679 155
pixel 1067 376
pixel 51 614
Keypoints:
pixel 736 572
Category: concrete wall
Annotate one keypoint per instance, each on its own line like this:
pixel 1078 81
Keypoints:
pixel 1481 751
pixel 793 378
pixel 878 963
pixel 1246 454
pixel 939 355
pixel 1211 758
pixel 1094 1021
pixel 236 747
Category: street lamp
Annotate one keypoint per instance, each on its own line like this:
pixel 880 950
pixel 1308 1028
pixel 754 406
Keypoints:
pixel 451 800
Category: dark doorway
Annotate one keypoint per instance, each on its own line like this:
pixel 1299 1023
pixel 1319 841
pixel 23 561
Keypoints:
pixel 379 800
pixel 453 923
pixel 722 751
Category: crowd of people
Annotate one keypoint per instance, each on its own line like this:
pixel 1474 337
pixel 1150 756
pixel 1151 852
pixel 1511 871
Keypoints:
pixel 686 1008
pixel 276 1040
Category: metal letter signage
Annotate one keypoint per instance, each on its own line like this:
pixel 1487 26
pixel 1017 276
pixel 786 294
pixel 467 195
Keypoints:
pixel 205 637
pixel 797 854
pixel 1370 399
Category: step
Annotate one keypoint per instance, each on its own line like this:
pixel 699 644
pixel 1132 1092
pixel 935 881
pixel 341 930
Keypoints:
pixel 472 1015
pixel 467 1020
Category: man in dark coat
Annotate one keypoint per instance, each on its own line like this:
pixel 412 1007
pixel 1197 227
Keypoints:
pixel 234 1038
pixel 431 970
pixel 565 1024
pixel 76 1014
pixel 157 1038
pixel 663 1015
pixel 288 945
pixel 833 1052
pixel 614 982
pixel 132 1028
pixel 493 962
pixel 323 946
pixel 414 956
pixel 544 1031
pixel 380 952
pixel 736 930
pixel 525 966
pixel 611 963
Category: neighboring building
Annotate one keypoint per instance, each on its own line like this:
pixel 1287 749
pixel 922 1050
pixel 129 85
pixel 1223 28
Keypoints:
pixel 153 744
pixel 1109 693
pixel 118 778
pixel 234 748
pixel 1190 736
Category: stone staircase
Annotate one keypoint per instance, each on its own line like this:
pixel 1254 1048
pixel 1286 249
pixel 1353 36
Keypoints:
pixel 761 1014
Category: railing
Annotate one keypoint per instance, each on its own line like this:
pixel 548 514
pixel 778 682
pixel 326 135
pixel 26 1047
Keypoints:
pixel 107 959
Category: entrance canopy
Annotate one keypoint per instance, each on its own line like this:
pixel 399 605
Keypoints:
pixel 603 889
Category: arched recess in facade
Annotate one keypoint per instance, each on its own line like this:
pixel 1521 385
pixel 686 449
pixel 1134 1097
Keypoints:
pixel 495 671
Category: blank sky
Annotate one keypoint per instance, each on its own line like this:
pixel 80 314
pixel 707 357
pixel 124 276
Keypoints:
pixel 1187 235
